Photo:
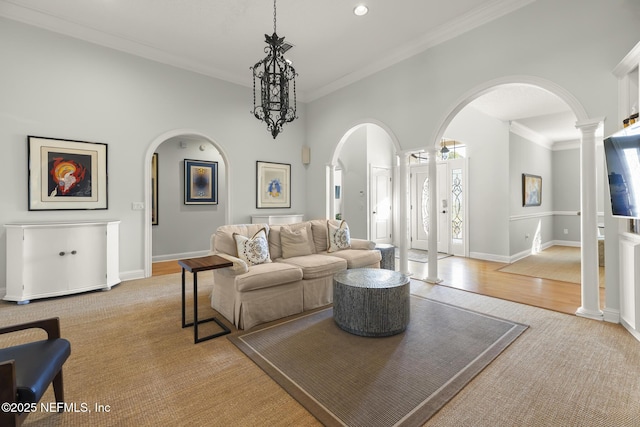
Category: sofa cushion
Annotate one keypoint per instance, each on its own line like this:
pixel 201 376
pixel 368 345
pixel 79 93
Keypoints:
pixel 295 242
pixel 319 232
pixel 254 250
pixel 358 258
pixel 275 240
pixel 267 275
pixel 316 265
pixel 225 243
pixel 338 237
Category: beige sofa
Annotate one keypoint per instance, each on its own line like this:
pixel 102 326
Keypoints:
pixel 298 277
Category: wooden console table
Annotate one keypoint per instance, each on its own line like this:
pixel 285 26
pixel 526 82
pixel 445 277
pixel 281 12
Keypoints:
pixel 195 265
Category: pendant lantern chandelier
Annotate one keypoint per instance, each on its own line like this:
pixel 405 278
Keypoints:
pixel 275 75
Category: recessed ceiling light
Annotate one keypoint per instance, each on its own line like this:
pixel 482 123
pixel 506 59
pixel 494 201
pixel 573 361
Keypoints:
pixel 361 10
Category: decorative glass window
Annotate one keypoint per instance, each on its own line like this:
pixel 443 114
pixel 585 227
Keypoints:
pixel 425 206
pixel 457 204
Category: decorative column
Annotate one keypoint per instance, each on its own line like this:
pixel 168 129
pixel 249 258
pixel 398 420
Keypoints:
pixel 589 221
pixel 432 265
pixel 404 213
pixel 331 170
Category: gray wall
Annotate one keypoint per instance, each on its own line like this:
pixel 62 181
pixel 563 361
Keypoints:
pixel 569 43
pixel 566 194
pixel 60 87
pixel 487 141
pixel 354 182
pixel 530 227
pixel 179 230
pixel 56 86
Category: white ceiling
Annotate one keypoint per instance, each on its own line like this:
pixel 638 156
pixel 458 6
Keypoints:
pixel 332 46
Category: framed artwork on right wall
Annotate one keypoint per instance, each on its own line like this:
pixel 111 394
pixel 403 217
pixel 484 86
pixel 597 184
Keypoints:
pixel 531 190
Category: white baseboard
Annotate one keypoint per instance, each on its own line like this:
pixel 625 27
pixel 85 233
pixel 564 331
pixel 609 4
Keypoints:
pixel 131 275
pixel 632 331
pixel 571 243
pixel 611 315
pixel 521 255
pixel 489 257
pixel 173 257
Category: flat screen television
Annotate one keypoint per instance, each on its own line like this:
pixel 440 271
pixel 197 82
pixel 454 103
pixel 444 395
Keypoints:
pixel 622 155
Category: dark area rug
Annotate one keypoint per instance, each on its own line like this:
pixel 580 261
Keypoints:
pixel 344 379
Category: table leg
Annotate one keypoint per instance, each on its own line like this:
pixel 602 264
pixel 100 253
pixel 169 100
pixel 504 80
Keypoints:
pixel 196 322
pixel 184 323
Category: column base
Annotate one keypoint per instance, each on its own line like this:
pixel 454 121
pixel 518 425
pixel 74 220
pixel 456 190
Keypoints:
pixel 590 314
pixel 435 281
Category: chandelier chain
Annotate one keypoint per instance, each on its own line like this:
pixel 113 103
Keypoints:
pixel 274 16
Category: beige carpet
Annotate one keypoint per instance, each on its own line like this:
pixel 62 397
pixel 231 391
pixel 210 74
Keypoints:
pixel 561 263
pixel 401 380
pixel 129 352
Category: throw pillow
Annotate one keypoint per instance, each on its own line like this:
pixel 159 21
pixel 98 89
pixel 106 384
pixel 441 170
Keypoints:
pixel 294 242
pixel 338 236
pixel 254 250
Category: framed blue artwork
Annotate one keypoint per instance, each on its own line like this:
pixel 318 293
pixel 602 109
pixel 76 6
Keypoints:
pixel 200 182
pixel 273 185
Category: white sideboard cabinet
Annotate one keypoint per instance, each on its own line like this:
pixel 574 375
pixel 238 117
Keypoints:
pixel 278 219
pixel 53 259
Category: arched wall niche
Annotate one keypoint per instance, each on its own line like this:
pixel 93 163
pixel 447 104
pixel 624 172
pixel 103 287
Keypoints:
pixel 159 140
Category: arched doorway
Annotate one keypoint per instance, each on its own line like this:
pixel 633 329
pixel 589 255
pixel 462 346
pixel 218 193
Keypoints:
pixel 588 218
pixel 204 142
pixel 361 178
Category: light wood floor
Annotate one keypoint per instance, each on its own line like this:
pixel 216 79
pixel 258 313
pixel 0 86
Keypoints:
pixel 481 277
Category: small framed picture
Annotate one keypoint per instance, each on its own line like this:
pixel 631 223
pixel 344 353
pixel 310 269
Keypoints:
pixel 531 190
pixel 66 174
pixel 200 182
pixel 154 189
pixel 273 186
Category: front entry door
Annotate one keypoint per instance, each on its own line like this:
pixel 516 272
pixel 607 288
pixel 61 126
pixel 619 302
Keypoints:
pixel 420 208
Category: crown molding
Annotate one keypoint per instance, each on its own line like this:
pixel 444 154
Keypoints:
pixel 531 135
pixel 628 63
pixel 566 145
pixel 52 23
pixel 463 24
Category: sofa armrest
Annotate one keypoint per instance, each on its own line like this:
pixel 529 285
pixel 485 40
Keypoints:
pixel 239 266
pixel 362 244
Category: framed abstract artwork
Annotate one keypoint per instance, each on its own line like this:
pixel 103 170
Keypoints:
pixel 200 182
pixel 66 174
pixel 154 189
pixel 273 185
pixel 531 190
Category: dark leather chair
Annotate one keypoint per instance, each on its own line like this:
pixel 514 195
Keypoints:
pixel 26 371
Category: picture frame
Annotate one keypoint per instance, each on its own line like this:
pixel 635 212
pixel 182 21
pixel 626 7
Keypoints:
pixel 66 174
pixel 531 190
pixel 200 182
pixel 154 189
pixel 273 185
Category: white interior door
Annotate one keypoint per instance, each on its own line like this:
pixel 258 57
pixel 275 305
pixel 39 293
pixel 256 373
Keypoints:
pixel 381 204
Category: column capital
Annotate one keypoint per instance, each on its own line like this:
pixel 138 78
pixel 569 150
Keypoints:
pixel 590 125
